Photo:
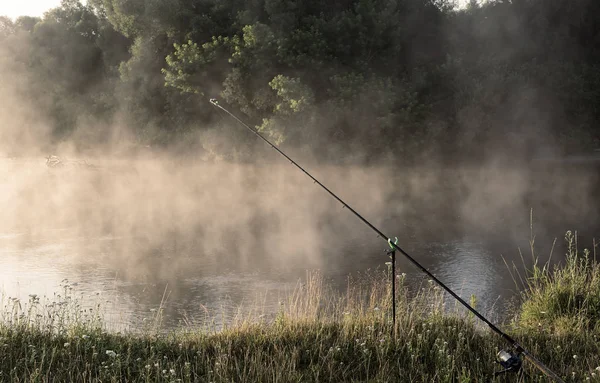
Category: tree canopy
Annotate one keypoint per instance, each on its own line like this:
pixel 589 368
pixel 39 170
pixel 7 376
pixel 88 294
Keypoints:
pixel 345 79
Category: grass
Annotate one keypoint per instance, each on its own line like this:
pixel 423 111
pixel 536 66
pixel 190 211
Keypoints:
pixel 564 299
pixel 317 336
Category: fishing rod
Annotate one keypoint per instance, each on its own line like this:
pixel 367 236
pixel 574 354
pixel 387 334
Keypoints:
pixel 510 360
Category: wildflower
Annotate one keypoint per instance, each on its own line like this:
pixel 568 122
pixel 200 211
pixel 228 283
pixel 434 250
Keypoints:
pixel 111 353
pixel 172 371
pixel 147 367
pixel 138 359
pixel 85 337
pixel 164 371
pixel 598 368
pixel 67 344
pixel 376 309
pixel 574 356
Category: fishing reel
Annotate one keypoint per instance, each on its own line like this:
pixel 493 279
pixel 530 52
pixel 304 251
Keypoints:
pixel 510 361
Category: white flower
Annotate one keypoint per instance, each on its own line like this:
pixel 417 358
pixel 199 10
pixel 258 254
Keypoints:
pixel 67 344
pixel 172 371
pixel 598 368
pixel 85 337
pixel 574 356
pixel 111 353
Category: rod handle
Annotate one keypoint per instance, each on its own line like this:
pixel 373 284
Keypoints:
pixel 540 366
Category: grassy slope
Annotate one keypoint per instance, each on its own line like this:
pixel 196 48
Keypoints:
pixel 318 337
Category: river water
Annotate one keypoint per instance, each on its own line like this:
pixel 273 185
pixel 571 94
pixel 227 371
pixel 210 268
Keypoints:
pixel 213 241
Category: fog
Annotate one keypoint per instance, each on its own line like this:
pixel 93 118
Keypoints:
pixel 87 156
pixel 270 214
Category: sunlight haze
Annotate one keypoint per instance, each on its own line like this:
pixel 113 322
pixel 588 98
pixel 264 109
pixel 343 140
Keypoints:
pixel 14 9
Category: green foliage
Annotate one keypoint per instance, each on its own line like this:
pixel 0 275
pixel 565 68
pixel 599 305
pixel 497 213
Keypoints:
pixel 565 299
pixel 294 106
pixel 439 80
pixel 181 64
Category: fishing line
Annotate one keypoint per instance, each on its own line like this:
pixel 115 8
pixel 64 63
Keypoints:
pixel 518 349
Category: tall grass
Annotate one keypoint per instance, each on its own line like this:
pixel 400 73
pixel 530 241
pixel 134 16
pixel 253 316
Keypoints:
pixel 564 299
pixel 316 336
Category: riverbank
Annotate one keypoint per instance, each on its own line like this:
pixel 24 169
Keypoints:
pixel 318 336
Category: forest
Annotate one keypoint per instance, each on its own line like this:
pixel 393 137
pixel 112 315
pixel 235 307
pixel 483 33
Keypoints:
pixel 342 81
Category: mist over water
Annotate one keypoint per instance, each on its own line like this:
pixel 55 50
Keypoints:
pixel 211 237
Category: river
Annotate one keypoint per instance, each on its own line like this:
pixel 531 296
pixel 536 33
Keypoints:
pixel 214 241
